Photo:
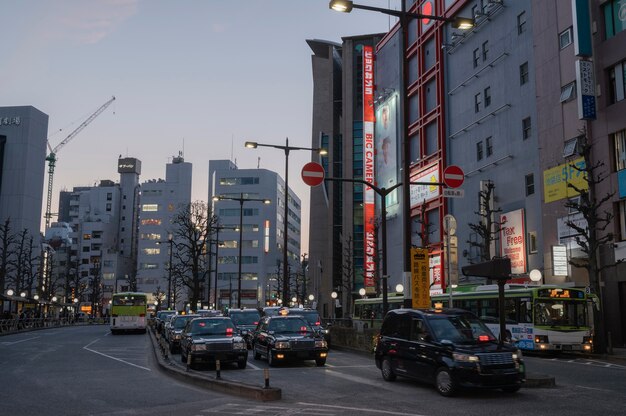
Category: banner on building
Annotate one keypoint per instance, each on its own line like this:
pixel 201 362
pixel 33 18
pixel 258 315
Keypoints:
pixel 555 180
pixel 424 193
pixel 369 196
pixel 513 240
pixel 387 150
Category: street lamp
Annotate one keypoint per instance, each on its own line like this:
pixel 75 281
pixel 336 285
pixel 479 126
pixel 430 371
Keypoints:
pixel 241 200
pixel 170 241
pixel 462 23
pixel 334 296
pixel 287 149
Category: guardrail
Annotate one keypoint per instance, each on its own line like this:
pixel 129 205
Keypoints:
pixel 29 324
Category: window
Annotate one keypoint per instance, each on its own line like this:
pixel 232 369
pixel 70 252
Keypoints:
pixel 151 251
pixel 617 82
pixel 565 38
pixel 530 184
pixel 521 23
pixel 568 92
pixel 614 21
pixel 477 103
pixel 109 196
pixel 619 139
pixel 622 219
pixel 476 57
pixel 432 138
pixel 485 50
pixel 487 94
pixel 523 73
pixel 150 207
pixel 108 207
pixel 526 128
pixel 150 221
pixel 569 148
pixel 489 145
pixel 479 150
pixel 532 242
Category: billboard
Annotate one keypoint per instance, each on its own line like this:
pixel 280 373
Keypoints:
pixel 513 240
pixel 555 180
pixel 387 148
pixel 369 195
pixel 424 193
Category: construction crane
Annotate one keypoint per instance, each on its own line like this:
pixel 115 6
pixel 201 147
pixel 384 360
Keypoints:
pixel 52 157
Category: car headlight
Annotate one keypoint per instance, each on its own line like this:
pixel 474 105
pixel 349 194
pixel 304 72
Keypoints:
pixel 517 355
pixel 177 336
pixel 465 358
pixel 198 347
pixel 320 344
pixel 281 345
pixel 239 346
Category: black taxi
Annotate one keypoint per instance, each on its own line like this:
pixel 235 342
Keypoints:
pixel 206 340
pixel 282 337
pixel 451 348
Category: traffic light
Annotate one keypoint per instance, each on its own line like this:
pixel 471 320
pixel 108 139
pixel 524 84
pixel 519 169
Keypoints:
pixel 497 268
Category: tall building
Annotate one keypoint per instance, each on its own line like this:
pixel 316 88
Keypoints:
pixel 259 240
pixel 23 134
pixel 336 237
pixel 161 200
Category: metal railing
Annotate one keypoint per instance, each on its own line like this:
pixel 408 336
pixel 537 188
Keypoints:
pixel 29 324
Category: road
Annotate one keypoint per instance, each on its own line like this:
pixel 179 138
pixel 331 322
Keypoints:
pixel 86 371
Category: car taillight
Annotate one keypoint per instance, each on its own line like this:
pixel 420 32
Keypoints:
pixel 229 332
pixel 303 328
pixel 256 323
pixel 317 323
pixel 483 338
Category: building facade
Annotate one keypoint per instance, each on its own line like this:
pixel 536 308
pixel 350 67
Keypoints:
pixel 259 240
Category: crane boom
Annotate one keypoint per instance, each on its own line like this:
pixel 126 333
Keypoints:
pixel 52 158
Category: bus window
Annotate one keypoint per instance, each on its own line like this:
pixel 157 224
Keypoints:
pixel 525 315
pixel 509 310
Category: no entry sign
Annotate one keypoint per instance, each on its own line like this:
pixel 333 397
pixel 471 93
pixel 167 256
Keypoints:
pixel 453 176
pixel 313 174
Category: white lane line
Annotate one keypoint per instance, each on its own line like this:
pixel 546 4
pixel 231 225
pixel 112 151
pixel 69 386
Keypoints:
pixel 355 379
pixel 86 347
pixel 17 342
pixel 360 409
pixel 253 366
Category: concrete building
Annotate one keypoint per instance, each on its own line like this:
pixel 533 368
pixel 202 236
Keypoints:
pixel 261 236
pixel 23 134
pixel 336 238
pixel 160 201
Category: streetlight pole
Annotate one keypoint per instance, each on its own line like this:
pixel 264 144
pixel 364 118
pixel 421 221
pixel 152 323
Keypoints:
pixel 287 149
pixel 458 22
pixel 170 240
pixel 241 200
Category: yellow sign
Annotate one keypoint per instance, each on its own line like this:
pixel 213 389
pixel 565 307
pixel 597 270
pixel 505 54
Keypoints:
pixel 420 278
pixel 555 180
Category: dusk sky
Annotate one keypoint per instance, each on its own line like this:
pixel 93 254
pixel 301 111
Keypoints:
pixel 200 77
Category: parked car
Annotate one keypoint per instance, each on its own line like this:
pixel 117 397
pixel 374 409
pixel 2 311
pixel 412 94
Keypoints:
pixel 313 318
pixel 246 321
pixel 451 348
pixel 206 340
pixel 271 310
pixel 174 331
pixel 283 337
pixel 160 319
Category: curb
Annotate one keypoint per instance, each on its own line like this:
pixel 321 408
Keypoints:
pixel 249 391
pixel 539 381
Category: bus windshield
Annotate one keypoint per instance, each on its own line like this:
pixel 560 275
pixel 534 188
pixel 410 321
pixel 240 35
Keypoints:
pixel 556 312
pixel 129 300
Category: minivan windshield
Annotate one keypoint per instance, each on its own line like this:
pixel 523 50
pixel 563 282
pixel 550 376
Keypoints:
pixel 460 329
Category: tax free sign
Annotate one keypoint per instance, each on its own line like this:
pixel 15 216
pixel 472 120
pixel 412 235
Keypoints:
pixel 513 240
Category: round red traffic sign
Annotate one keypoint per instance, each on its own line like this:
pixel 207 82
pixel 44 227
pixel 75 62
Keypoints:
pixel 453 176
pixel 313 174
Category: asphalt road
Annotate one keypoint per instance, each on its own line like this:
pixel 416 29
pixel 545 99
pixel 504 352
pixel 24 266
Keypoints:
pixel 86 371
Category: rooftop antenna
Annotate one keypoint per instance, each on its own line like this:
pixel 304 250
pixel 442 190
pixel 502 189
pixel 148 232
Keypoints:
pixel 258 163
pixel 232 140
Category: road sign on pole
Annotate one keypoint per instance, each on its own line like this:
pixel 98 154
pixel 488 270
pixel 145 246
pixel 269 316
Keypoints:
pixel 453 176
pixel 313 174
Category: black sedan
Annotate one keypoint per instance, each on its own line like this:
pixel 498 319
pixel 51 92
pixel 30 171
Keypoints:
pixel 279 338
pixel 206 340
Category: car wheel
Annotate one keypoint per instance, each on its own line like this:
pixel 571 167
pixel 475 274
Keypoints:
pixel 241 364
pixel 271 361
pixel 444 383
pixel 256 355
pixel 320 362
pixel 386 370
pixel 511 389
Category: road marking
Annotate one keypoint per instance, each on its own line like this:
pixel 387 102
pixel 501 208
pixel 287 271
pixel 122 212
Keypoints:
pixel 354 378
pixel 17 342
pixel 253 366
pixel 359 409
pixel 86 347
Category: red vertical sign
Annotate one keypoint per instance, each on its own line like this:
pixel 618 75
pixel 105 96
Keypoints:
pixel 369 213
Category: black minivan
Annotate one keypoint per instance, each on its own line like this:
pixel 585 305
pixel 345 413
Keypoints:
pixel 451 348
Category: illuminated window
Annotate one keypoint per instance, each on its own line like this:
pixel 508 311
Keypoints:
pixel 150 207
pixel 148 266
pixel 151 221
pixel 150 236
pixel 151 251
pixel 86 236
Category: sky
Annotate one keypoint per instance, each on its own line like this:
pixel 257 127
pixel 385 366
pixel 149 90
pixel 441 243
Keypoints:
pixel 190 76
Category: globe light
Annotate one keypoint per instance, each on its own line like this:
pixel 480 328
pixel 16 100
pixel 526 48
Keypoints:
pixel 10 292
pixel 362 291
pixel 535 275
pixel 54 299
pixel 311 297
pixel 23 294
pixel 333 295
pixel 399 288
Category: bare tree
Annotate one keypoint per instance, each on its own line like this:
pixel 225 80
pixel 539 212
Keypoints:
pixel 487 228
pixel 7 263
pixel 595 235
pixel 192 229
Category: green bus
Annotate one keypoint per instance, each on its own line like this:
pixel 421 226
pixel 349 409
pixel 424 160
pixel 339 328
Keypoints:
pixel 129 312
pixel 538 318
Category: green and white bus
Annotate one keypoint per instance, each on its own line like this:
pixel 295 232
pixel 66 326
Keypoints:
pixel 129 312
pixel 538 318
